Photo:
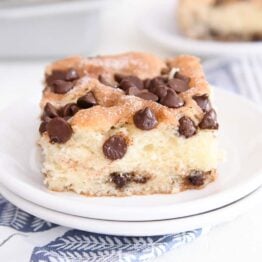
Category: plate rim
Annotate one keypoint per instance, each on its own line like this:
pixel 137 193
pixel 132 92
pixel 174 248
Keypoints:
pixel 144 228
pixel 56 203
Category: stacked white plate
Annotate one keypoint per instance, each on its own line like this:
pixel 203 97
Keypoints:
pixel 234 192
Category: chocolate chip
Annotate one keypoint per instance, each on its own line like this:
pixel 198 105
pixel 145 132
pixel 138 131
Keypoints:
pixel 115 147
pixel 184 78
pixel 86 101
pixel 161 90
pixel 125 85
pixel 215 34
pixel 45 118
pixel 119 77
pixel 172 99
pixel 49 111
pixel 145 119
pixel 158 87
pixel 155 83
pixel 222 2
pixel 59 130
pixel 42 127
pixel 129 81
pixel 55 75
pixel 71 75
pixel 209 120
pixel 66 118
pixel 132 90
pixel 69 110
pixel 135 81
pixel 178 85
pixel 61 86
pixel 66 75
pixel 147 83
pixel 146 95
pixel 196 178
pixel 104 81
pixel 121 179
pixel 203 102
pixel 218 2
pixel 186 127
pixel 256 37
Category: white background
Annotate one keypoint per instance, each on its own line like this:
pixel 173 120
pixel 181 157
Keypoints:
pixel 236 241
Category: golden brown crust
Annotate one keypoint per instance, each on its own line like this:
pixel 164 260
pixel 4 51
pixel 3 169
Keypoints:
pixel 133 63
pixel 139 64
pixel 106 96
pixel 114 106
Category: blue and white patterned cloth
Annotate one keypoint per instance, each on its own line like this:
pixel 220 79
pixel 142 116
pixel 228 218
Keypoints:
pixel 39 240
pixel 24 237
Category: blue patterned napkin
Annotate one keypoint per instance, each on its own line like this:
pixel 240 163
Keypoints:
pixel 32 239
pixel 224 73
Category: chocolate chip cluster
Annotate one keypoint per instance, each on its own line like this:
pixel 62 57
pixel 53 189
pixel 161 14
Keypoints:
pixel 54 120
pixel 161 89
pixel 187 127
pixel 62 82
pixel 146 119
pixel 164 89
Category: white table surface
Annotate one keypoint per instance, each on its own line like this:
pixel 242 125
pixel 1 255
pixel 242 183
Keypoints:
pixel 240 240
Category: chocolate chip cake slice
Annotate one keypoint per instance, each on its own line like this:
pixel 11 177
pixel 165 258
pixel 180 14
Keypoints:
pixel 127 124
pixel 225 20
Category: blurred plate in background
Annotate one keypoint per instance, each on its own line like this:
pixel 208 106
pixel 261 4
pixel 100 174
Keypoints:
pixel 158 23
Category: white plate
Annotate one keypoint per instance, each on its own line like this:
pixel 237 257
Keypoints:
pixel 158 23
pixel 150 228
pixel 241 137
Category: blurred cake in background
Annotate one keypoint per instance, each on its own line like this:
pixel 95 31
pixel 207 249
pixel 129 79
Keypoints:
pixel 224 20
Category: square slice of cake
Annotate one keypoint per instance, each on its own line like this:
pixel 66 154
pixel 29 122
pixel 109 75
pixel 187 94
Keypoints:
pixel 225 20
pixel 127 124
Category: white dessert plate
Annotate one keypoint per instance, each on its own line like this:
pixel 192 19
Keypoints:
pixel 148 228
pixel 241 138
pixel 158 23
